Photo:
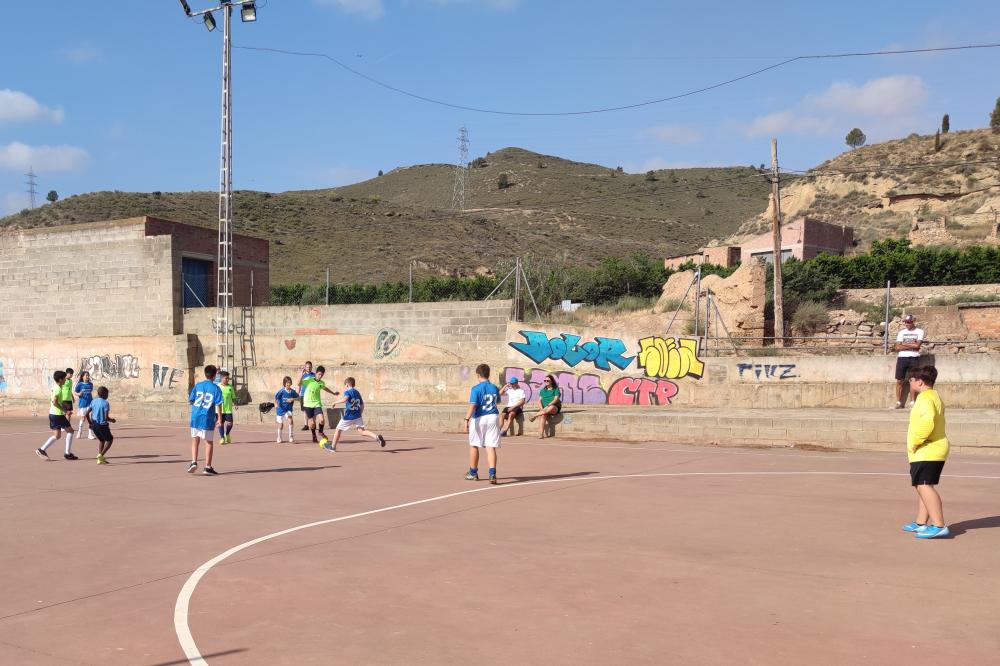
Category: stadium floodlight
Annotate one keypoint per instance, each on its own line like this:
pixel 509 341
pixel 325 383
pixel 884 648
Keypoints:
pixel 186 6
pixel 248 13
pixel 210 21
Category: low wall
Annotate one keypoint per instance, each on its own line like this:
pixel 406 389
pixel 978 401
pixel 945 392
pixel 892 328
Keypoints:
pixel 907 296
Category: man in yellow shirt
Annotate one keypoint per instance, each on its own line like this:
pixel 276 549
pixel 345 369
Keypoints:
pixel 926 449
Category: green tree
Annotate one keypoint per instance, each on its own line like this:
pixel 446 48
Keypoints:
pixel 995 117
pixel 937 141
pixel 856 138
pixel 945 124
pixel 503 181
pixel 650 176
pixel 380 172
pixel 52 196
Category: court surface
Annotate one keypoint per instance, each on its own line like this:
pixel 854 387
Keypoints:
pixel 586 553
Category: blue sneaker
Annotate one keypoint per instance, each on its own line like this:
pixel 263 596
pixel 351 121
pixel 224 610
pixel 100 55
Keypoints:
pixel 932 532
pixel 913 527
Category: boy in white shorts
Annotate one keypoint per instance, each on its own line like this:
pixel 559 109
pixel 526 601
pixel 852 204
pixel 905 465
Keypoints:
pixel 354 406
pixel 284 399
pixel 206 405
pixel 482 422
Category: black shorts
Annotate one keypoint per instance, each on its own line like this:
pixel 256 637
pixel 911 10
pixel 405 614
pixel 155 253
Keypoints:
pixel 312 412
pixel 904 363
pixel 558 406
pixel 67 406
pixel 227 418
pixel 926 472
pixel 102 431
pixel 58 422
pixel 515 411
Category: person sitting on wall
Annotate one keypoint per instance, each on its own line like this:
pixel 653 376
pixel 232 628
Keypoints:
pixel 515 405
pixel 908 343
pixel 550 403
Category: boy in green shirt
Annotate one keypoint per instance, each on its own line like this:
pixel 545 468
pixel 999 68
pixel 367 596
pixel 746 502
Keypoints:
pixel 228 399
pixel 312 403
pixel 58 421
pixel 927 450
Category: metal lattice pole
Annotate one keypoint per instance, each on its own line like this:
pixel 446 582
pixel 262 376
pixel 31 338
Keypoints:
pixel 224 293
pixel 459 198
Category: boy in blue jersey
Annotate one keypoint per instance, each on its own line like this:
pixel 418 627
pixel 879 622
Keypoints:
pixel 482 422
pixel 99 417
pixel 84 390
pixel 354 406
pixel 206 404
pixel 284 401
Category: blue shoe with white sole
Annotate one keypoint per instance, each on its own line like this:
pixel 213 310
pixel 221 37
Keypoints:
pixel 932 532
pixel 913 527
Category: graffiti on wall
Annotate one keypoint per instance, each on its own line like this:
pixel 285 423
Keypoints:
pixel 119 366
pixel 768 371
pixel 3 379
pixel 18 376
pixel 602 352
pixel 670 358
pixel 587 388
pixel 165 377
pixel 386 343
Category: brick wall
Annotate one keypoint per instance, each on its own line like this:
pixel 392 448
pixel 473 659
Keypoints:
pixel 86 280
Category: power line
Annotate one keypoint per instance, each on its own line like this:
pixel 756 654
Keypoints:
pixel 31 183
pixel 623 107
pixel 459 200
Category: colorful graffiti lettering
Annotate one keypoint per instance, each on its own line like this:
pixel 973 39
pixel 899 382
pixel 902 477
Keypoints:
pixel 586 389
pixel 3 379
pixel 163 374
pixel 602 352
pixel 641 391
pixel 120 366
pixel 783 371
pixel 670 358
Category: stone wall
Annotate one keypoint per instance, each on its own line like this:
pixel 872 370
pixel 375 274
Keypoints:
pixel 914 296
pixel 86 280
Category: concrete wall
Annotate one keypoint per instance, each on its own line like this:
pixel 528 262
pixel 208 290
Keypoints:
pixel 919 296
pixel 86 280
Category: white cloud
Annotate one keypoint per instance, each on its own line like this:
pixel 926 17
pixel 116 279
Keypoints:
pixel 83 53
pixel 371 9
pixel 16 106
pixel 888 105
pixel 17 156
pixel 14 202
pixel 676 134
pixel 888 96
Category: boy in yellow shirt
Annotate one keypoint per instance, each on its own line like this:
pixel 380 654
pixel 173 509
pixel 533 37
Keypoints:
pixel 926 449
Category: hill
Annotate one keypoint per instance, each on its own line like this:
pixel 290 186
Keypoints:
pixel 881 189
pixel 369 231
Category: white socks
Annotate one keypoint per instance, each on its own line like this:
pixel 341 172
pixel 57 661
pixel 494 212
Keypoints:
pixel 69 443
pixel 48 442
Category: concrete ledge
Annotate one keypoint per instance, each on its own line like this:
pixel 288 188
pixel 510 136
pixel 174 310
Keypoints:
pixel 970 430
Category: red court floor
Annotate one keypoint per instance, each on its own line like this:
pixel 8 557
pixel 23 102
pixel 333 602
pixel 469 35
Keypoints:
pixel 586 553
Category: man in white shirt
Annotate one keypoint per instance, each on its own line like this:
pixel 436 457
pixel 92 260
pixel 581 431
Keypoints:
pixel 515 403
pixel 908 343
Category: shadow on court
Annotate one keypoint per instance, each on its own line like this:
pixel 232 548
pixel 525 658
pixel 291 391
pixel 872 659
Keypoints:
pixel 278 469
pixel 413 448
pixel 143 456
pixel 177 662
pixel 957 529
pixel 549 476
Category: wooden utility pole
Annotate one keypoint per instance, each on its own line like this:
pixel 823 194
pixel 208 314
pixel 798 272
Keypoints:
pixel 779 308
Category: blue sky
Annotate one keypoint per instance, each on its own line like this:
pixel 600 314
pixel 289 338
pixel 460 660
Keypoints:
pixel 121 95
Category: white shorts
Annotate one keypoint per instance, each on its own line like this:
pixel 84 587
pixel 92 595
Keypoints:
pixel 347 424
pixel 207 435
pixel 281 418
pixel 84 411
pixel 485 431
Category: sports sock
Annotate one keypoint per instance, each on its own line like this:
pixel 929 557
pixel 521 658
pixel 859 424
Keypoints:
pixel 222 430
pixel 321 426
pixel 493 471
pixel 48 442
pixel 473 470
pixel 69 443
pixel 313 432
pixel 229 428
pixel 290 431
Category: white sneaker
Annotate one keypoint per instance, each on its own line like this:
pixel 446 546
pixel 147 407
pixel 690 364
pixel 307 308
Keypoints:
pixel 90 435
pixel 278 440
pixel 291 440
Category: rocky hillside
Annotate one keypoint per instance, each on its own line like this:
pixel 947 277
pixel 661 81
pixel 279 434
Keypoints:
pixel 369 231
pixel 881 189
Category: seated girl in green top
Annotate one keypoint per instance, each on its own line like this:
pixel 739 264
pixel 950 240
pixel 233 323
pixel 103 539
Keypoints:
pixel 550 403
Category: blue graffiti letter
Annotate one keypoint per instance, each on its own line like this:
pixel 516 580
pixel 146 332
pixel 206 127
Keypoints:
pixel 536 345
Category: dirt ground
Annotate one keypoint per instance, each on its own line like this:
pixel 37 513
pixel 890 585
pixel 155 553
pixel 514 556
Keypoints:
pixel 585 553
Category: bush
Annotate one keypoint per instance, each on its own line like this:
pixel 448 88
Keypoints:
pixel 503 181
pixel 810 317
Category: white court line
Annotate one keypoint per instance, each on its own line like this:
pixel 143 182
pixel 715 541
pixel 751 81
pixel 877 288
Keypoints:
pixel 181 608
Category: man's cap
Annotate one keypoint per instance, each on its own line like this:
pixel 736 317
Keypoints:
pixel 513 380
pixel 909 317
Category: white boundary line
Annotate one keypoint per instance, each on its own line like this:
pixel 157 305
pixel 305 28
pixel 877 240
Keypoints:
pixel 181 608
